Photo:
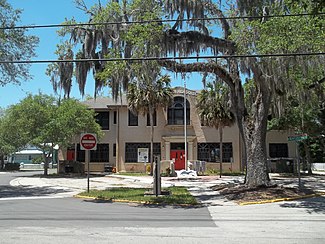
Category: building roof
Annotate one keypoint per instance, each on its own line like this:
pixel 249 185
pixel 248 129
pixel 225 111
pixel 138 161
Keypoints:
pixel 104 102
pixel 29 151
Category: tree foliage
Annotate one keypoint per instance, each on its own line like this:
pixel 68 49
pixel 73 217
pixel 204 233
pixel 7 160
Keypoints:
pixel 16 44
pixel 39 120
pixel 213 109
pixel 213 106
pixel 145 95
pixel 294 82
pixel 272 80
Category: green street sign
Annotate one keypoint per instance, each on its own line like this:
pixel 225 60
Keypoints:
pixel 297 137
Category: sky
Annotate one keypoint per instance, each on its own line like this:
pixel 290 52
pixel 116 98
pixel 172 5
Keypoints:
pixel 41 12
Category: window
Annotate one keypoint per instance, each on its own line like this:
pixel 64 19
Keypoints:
pixel 210 152
pixel 133 119
pixel 102 118
pixel 114 150
pixel 115 118
pixel 278 150
pixel 154 119
pixel 99 155
pixel 80 154
pixel 131 151
pixel 176 112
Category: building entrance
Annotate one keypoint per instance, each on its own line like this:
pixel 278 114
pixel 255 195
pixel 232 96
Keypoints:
pixel 177 154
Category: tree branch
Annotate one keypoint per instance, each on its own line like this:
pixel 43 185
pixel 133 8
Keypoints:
pixel 236 90
pixel 175 39
pixel 224 23
pixel 210 67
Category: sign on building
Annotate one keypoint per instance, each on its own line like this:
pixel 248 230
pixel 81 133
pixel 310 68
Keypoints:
pixel 143 155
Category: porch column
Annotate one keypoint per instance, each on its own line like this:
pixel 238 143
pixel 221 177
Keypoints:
pixel 190 150
pixel 167 150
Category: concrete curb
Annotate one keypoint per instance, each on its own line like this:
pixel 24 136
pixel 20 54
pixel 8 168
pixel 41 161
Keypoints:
pixel 283 199
pixel 136 202
pixel 109 199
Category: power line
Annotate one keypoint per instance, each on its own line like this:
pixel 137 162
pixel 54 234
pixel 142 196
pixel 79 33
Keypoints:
pixel 155 21
pixel 162 58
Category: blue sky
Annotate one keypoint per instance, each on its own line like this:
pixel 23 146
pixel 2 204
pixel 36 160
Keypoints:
pixel 39 12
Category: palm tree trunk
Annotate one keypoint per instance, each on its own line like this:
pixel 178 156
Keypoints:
pixel 151 141
pixel 221 148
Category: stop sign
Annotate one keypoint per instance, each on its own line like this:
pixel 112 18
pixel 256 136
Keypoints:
pixel 88 141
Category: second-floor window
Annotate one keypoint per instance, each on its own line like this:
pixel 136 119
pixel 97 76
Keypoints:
pixel 154 119
pixel 102 118
pixel 176 112
pixel 115 118
pixel 133 119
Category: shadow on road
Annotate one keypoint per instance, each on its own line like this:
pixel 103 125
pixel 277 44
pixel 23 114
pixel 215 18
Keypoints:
pixel 26 191
pixel 311 205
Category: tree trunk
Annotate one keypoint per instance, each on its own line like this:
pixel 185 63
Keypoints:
pixel 257 170
pixel 46 163
pixel 151 140
pixel 255 128
pixel 2 162
pixel 221 147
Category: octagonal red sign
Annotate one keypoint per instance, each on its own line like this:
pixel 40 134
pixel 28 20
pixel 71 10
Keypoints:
pixel 88 141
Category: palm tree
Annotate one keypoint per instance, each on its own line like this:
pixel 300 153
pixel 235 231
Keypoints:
pixel 213 110
pixel 145 96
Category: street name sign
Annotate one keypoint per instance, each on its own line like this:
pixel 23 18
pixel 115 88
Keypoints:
pixel 297 137
pixel 88 141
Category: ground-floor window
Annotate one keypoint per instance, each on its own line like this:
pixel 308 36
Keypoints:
pixel 278 150
pixel 210 152
pixel 99 155
pixel 131 151
pixel 114 150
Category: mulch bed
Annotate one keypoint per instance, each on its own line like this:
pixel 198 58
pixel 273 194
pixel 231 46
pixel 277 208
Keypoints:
pixel 240 193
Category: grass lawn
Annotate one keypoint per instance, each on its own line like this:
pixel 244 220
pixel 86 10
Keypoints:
pixel 177 196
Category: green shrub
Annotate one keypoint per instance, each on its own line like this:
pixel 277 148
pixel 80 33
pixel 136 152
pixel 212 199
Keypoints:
pixel 12 166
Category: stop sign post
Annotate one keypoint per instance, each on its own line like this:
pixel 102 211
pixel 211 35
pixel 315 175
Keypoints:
pixel 88 141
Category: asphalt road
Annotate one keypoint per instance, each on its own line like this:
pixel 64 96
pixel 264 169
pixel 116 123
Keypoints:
pixel 71 220
pixel 27 217
pixel 24 192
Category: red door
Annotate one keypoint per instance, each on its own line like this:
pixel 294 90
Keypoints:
pixel 70 155
pixel 178 157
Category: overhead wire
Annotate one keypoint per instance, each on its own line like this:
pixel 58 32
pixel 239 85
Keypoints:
pixel 161 58
pixel 155 21
pixel 157 58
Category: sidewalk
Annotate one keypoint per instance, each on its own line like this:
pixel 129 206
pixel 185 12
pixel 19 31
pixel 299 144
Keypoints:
pixel 198 186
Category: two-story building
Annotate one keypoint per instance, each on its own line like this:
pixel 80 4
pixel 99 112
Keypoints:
pixel 126 143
